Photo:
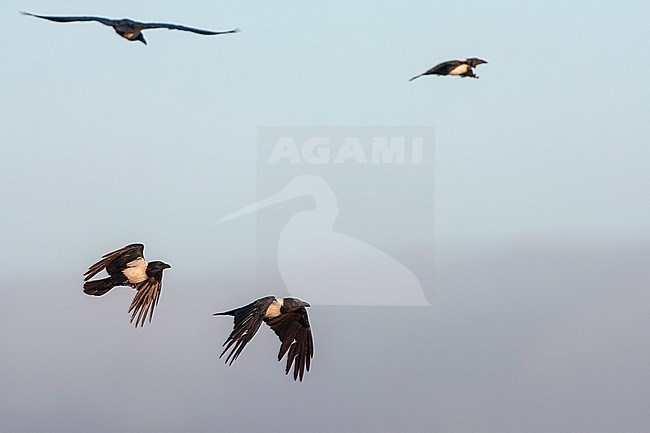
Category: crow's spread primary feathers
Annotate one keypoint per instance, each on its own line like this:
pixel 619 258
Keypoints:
pixel 127 267
pixel 288 319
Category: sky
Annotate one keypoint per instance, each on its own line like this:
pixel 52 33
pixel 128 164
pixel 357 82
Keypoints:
pixel 535 260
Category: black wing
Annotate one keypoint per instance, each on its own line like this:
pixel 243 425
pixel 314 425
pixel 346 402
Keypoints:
pixel 105 21
pixel 145 300
pixel 144 26
pixel 295 334
pixel 116 260
pixel 444 68
pixel 247 321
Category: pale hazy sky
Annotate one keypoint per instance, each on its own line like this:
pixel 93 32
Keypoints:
pixel 539 310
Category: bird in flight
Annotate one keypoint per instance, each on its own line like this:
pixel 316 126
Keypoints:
pixel 288 319
pixel 129 29
pixel 127 267
pixel 461 67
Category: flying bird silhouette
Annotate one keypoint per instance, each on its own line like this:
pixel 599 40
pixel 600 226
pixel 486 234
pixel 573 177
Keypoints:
pixel 288 319
pixel 127 267
pixel 129 29
pixel 461 67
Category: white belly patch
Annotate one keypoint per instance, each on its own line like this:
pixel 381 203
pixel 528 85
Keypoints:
pixel 136 271
pixel 274 309
pixel 459 70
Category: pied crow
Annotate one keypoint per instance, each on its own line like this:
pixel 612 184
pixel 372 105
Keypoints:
pixel 288 319
pixel 127 267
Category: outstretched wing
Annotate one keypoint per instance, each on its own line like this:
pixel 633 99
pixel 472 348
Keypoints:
pixel 247 321
pixel 444 68
pixel 295 334
pixel 145 300
pixel 105 21
pixel 116 260
pixel 144 26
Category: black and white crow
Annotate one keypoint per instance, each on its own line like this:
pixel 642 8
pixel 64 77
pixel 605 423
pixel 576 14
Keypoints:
pixel 461 67
pixel 127 267
pixel 129 29
pixel 288 319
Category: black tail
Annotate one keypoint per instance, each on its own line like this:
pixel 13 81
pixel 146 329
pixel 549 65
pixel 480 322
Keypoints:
pixel 98 287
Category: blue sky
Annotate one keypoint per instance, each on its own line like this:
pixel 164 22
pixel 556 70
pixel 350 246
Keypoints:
pixel 107 142
pixel 556 125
